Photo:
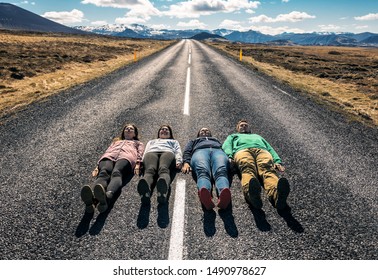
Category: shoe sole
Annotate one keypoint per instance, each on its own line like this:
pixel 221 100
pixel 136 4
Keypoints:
pixel 254 191
pixel 99 194
pixel 144 191
pixel 87 197
pixel 206 199
pixel 283 190
pixel 162 191
pixel 224 198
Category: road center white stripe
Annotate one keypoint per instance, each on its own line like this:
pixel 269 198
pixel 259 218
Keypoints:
pixel 187 85
pixel 187 92
pixel 177 230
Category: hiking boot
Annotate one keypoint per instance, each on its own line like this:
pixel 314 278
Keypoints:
pixel 87 197
pixel 254 193
pixel 162 190
pixel 224 198
pixel 205 198
pixel 144 191
pixel 283 190
pixel 99 193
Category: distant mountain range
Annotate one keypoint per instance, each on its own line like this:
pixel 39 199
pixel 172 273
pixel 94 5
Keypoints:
pixel 324 39
pixel 15 18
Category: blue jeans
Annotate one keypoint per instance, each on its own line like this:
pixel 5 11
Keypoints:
pixel 210 165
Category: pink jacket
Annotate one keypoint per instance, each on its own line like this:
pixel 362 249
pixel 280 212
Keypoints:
pixel 131 150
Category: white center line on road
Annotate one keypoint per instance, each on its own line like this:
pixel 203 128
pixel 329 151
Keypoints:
pixel 177 230
pixel 187 93
pixel 187 85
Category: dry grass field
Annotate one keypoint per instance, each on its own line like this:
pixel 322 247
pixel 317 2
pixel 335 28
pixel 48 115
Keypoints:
pixel 342 77
pixel 34 65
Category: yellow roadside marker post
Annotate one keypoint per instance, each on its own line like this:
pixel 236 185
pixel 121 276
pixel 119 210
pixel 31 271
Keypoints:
pixel 135 55
pixel 241 55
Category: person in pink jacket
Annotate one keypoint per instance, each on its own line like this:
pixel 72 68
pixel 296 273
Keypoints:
pixel 122 157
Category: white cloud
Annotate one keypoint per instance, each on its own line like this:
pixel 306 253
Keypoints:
pixel 194 23
pixel 249 11
pixel 133 5
pixel 160 26
pixel 285 1
pixel 27 2
pixel 197 8
pixel 329 27
pixel 140 11
pixel 128 4
pixel 362 26
pixel 231 24
pixel 294 16
pixel 99 22
pixel 368 17
pixel 276 30
pixel 143 12
pixel 236 5
pixel 129 20
pixel 74 16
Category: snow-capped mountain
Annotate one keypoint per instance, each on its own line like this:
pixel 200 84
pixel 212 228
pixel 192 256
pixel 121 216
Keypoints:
pixel 141 31
pixel 314 38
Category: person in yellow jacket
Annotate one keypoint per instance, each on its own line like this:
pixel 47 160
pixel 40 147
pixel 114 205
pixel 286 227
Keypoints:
pixel 257 162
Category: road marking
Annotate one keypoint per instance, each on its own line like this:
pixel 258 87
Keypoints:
pixel 190 56
pixel 177 229
pixel 284 92
pixel 187 93
pixel 187 85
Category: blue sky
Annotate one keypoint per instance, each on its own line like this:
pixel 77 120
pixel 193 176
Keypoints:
pixel 266 16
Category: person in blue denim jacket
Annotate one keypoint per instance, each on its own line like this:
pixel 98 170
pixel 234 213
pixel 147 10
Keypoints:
pixel 209 164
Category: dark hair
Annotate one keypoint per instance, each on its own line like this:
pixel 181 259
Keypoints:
pixel 169 128
pixel 198 134
pixel 122 134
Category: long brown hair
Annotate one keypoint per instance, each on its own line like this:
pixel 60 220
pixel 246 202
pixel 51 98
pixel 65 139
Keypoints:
pixel 122 133
pixel 169 128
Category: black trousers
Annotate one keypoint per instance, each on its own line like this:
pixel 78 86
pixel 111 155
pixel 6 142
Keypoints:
pixel 111 174
pixel 158 165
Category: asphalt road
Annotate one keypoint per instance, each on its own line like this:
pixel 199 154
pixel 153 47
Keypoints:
pixel 49 150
